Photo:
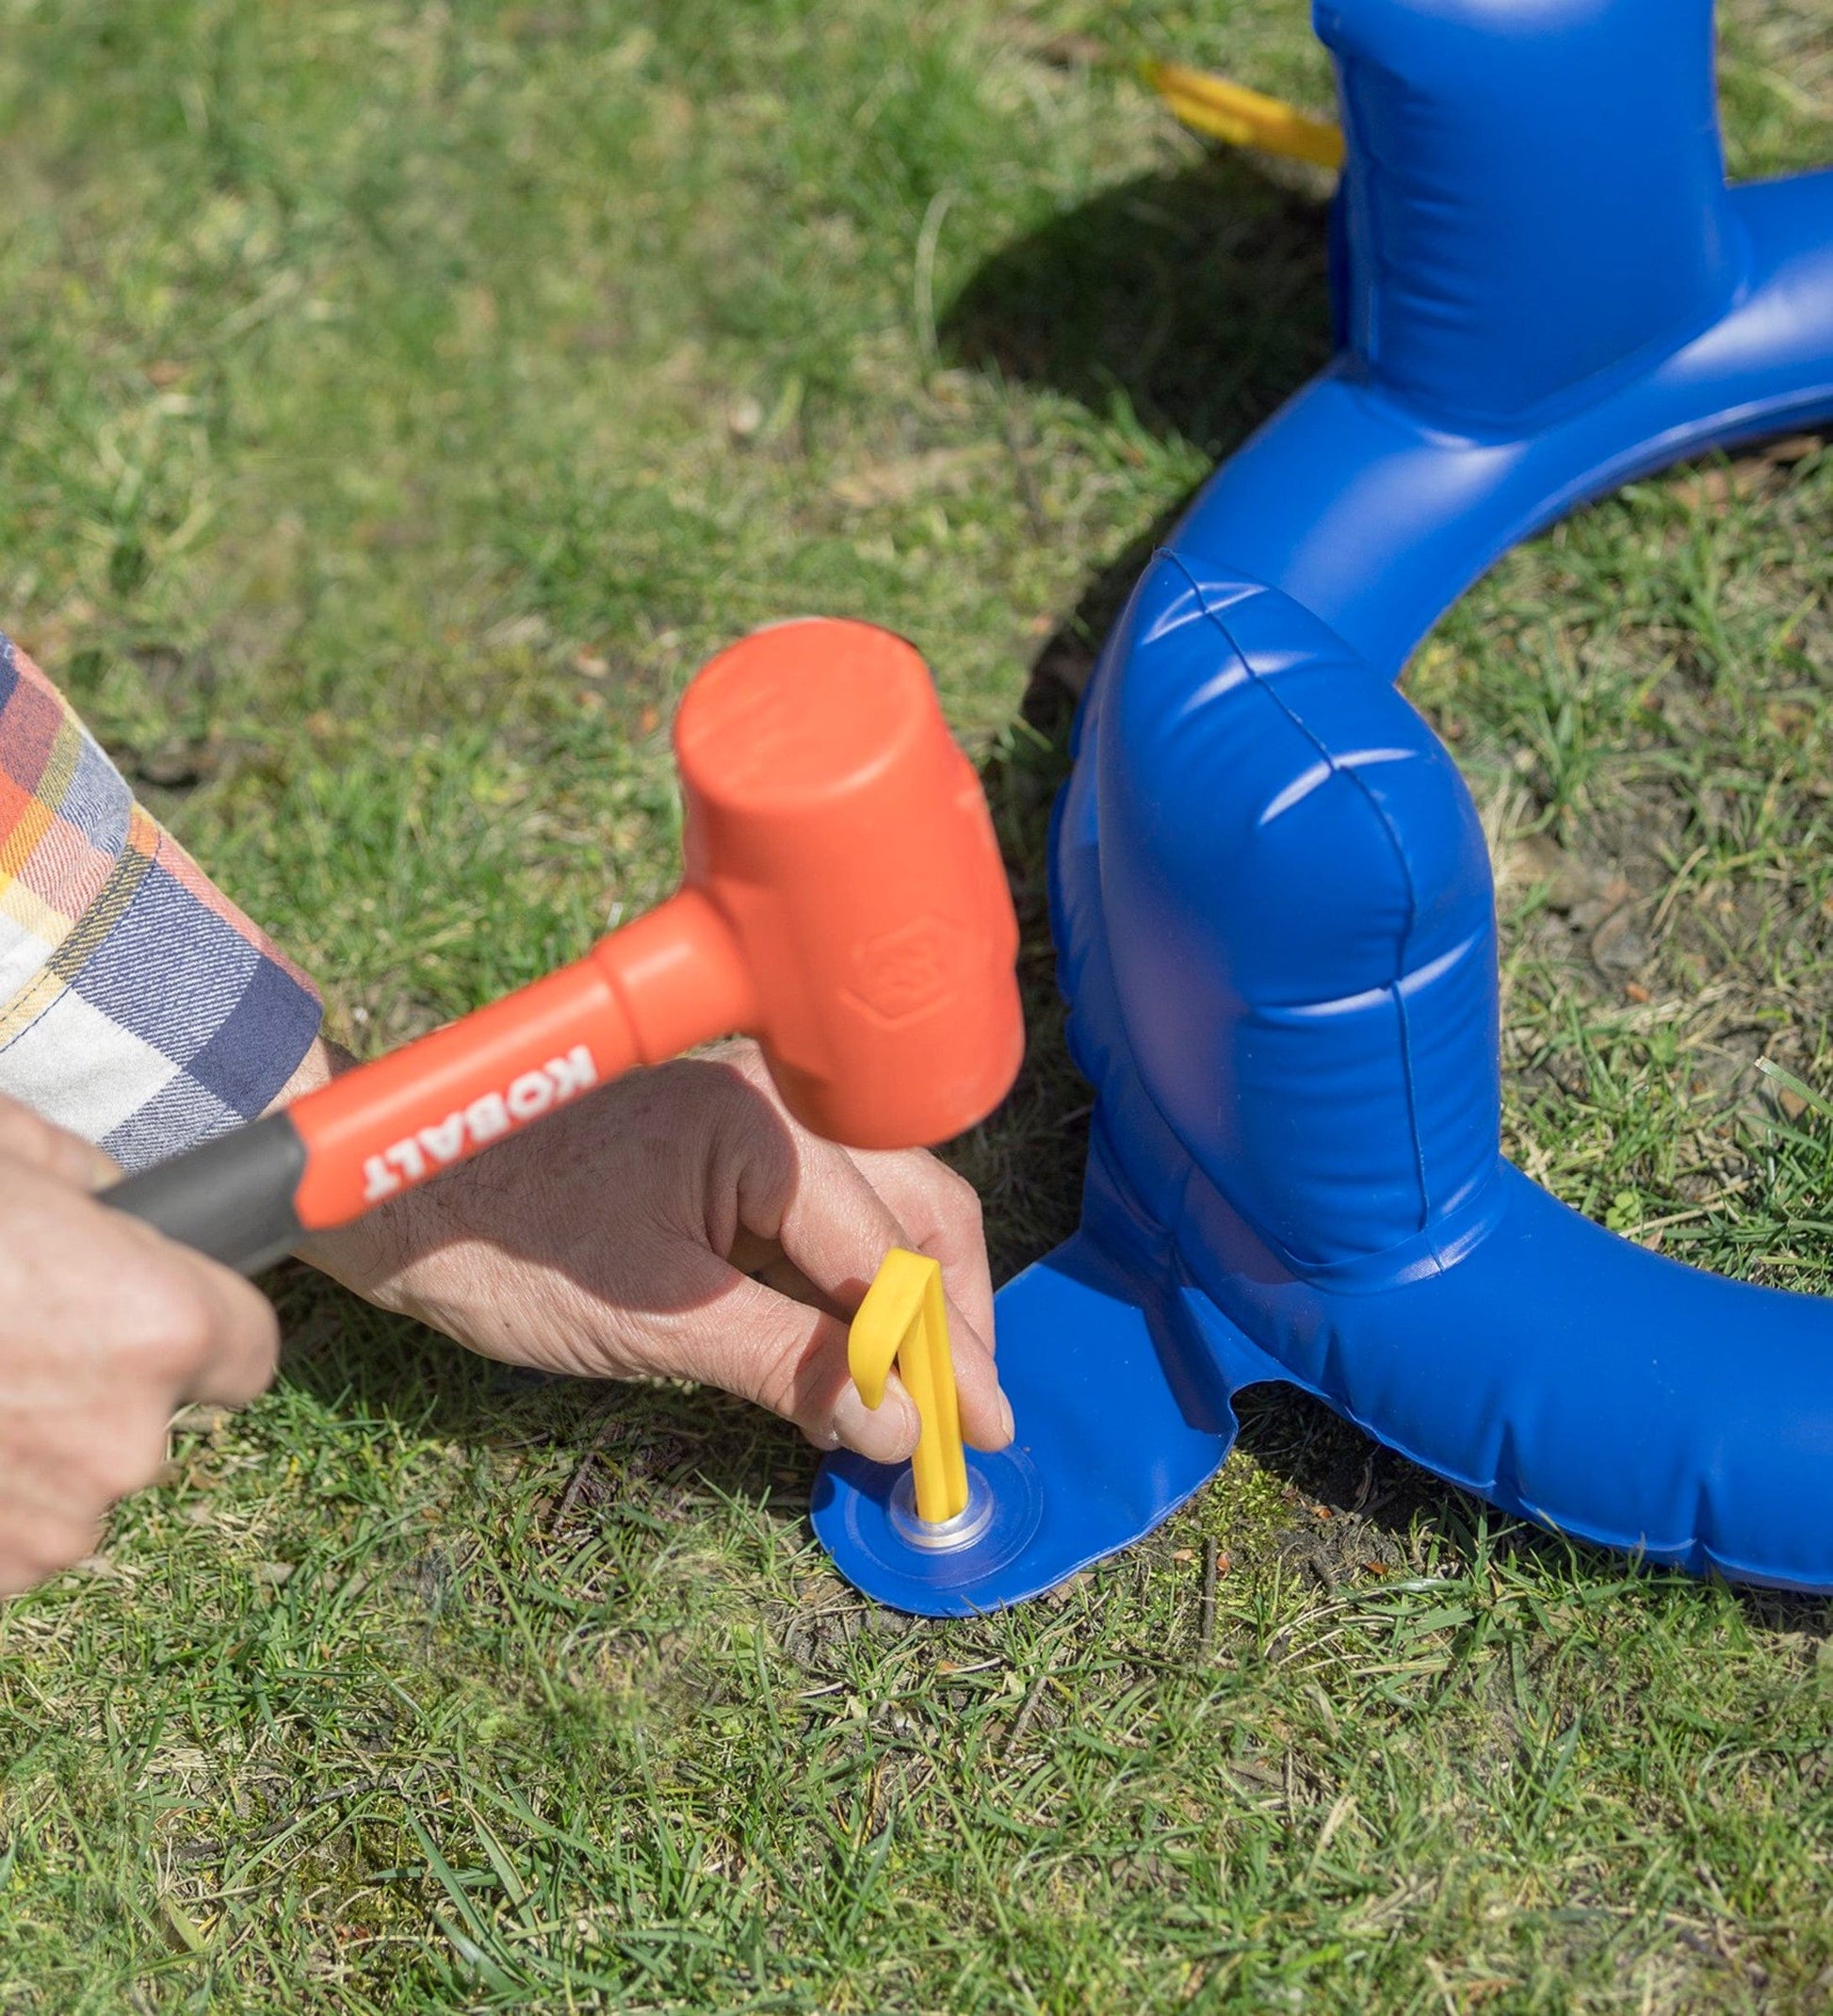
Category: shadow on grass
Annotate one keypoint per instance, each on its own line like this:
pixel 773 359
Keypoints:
pixel 1192 303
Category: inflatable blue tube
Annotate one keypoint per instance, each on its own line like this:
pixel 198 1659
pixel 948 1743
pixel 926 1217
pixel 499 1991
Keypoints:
pixel 1272 895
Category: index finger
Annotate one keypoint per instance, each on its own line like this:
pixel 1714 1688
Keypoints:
pixel 838 1229
pixel 220 1332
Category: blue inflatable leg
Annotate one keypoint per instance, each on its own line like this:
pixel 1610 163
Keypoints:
pixel 1534 195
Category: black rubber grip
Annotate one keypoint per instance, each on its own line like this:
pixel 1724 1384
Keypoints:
pixel 230 1199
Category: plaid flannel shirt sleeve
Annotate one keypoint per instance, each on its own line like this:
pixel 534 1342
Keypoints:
pixel 139 1007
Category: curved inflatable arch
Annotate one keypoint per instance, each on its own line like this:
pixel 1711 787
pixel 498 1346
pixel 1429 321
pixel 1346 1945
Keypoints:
pixel 1273 898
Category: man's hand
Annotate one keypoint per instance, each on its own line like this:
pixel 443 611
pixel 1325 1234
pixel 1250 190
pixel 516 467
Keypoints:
pixel 680 1222
pixel 106 1330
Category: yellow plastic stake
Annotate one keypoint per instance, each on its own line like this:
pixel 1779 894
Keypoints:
pixel 905 1322
pixel 1231 112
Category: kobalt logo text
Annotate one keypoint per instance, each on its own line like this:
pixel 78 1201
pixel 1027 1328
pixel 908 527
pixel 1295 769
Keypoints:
pixel 426 1151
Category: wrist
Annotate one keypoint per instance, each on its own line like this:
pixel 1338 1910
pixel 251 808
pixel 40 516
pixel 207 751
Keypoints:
pixel 370 1254
pixel 324 1060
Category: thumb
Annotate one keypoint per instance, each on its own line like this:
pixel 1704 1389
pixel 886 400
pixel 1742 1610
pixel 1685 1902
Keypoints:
pixel 792 1357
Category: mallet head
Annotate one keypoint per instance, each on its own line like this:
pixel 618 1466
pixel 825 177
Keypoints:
pixel 844 838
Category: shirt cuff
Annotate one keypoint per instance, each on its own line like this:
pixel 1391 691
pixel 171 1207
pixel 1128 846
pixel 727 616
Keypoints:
pixel 138 1006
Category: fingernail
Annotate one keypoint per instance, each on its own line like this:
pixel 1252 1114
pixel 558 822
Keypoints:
pixel 884 1434
pixel 1005 1415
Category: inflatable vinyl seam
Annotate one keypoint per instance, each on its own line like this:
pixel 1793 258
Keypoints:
pixel 1397 850
pixel 1447 1190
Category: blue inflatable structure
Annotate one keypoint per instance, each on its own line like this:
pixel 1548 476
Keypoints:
pixel 1272 895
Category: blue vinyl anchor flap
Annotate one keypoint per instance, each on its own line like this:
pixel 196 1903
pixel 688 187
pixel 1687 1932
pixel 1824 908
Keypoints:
pixel 1104 1452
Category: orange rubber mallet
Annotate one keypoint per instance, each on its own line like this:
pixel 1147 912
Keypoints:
pixel 843 901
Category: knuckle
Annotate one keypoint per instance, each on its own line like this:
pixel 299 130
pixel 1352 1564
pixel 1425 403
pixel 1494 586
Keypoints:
pixel 960 1199
pixel 22 1132
pixel 776 1384
pixel 175 1320
pixel 745 1125
pixel 745 1094
pixel 762 1368
pixel 123 1474
pixel 689 1099
pixel 50 1547
pixel 124 1460
pixel 248 1377
pixel 737 1053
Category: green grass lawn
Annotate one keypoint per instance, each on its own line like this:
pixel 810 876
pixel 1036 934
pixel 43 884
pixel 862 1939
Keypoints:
pixel 396 402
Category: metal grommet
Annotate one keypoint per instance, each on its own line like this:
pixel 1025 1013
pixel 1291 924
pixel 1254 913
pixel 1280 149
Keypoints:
pixel 940 1536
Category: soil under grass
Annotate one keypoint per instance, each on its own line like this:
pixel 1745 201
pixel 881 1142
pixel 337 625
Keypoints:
pixel 396 403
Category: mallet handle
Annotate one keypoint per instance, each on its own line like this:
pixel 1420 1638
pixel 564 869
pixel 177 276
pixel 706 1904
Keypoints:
pixel 670 979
